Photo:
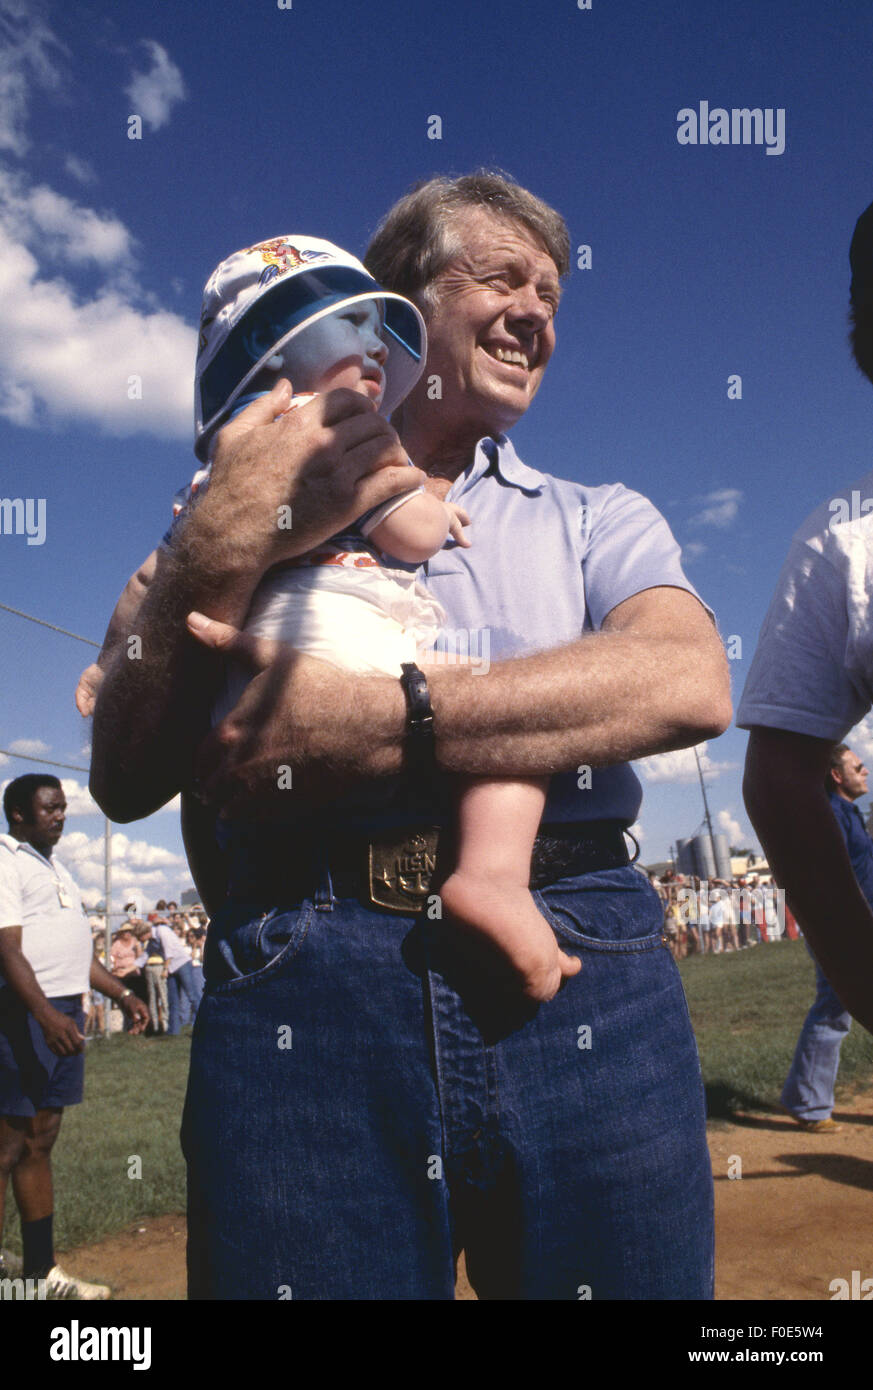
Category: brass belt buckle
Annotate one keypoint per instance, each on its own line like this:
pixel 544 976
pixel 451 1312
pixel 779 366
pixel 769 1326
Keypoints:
pixel 400 869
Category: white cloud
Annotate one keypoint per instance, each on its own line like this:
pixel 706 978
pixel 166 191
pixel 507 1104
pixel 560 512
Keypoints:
pixel 731 828
pixel 113 357
pixel 67 358
pixel 79 799
pixel 60 229
pixel 154 93
pixel 721 509
pixel 147 871
pixel 138 854
pixel 692 550
pixel 79 169
pixel 29 747
pixel 680 765
pixel 29 54
pixel 860 740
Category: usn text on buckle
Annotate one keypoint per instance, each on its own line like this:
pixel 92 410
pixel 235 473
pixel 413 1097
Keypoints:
pixel 401 870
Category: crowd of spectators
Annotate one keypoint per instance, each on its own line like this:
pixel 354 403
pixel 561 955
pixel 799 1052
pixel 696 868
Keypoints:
pixel 719 915
pixel 159 957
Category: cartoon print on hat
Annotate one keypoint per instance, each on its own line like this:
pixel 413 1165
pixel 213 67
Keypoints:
pixel 281 255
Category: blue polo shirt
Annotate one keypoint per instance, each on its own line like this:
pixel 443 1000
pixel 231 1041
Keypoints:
pixel 858 842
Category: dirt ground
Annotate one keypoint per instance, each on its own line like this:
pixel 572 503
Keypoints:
pixel 799 1214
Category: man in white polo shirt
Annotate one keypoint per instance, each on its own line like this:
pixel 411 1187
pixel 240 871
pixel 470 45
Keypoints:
pixel 46 964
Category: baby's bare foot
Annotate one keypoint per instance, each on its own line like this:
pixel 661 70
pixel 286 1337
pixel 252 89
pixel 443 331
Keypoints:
pixel 507 915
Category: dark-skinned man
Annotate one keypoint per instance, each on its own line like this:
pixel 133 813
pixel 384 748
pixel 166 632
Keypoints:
pixel 46 964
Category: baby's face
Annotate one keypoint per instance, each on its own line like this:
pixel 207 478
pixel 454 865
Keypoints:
pixel 342 349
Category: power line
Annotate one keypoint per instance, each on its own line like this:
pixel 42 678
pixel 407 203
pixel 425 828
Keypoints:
pixel 31 619
pixel 71 766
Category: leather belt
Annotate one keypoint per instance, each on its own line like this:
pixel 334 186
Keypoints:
pixel 393 869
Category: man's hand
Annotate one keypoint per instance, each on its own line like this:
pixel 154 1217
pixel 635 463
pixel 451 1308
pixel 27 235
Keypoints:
pixel 86 691
pixel 61 1034
pixel 297 714
pixel 136 1011
pixel 283 483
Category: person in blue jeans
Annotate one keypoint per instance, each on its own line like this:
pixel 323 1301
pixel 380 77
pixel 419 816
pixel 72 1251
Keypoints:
pixel 181 984
pixel 370 1090
pixel 808 1093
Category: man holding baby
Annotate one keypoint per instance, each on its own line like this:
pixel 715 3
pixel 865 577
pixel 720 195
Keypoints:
pixel 370 1092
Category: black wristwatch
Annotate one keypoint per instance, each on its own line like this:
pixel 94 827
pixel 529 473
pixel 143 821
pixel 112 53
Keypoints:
pixel 420 743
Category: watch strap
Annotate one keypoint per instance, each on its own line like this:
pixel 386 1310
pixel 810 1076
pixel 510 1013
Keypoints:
pixel 420 742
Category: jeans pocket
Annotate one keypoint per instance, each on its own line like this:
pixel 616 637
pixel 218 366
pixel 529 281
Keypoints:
pixel 243 947
pixel 611 910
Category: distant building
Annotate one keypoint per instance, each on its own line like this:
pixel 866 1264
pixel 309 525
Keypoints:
pixel 695 856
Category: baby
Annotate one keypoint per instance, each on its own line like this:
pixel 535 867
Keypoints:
pixel 302 309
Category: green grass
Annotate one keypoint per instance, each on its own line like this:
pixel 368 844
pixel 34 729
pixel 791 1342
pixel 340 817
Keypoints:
pixel 747 1008
pixel 134 1090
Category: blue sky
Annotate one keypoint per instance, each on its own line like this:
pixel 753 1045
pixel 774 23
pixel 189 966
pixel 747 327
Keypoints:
pixel 707 261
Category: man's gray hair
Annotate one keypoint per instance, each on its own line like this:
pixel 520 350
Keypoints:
pixel 417 238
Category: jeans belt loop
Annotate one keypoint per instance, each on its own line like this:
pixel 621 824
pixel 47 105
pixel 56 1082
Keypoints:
pixel 323 898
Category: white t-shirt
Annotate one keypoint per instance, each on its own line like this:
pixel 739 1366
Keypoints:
pixel 176 951
pixel 812 672
pixel 40 896
pixel 718 911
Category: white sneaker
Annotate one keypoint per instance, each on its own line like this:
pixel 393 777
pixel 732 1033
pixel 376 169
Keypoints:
pixel 62 1285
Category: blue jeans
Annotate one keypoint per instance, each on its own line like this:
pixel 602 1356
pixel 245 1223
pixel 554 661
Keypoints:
pixel 180 983
pixel 366 1098
pixel 809 1090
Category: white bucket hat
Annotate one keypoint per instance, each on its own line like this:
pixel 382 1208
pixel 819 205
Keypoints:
pixel 306 278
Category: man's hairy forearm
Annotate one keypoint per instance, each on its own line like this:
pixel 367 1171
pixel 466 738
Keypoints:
pixel 607 698
pixel 654 679
pixel 154 699
pixel 808 857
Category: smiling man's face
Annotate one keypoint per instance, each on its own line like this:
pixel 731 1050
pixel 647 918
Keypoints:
pixel 492 332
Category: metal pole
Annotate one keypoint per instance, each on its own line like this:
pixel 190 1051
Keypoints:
pixel 107 933
pixel 706 814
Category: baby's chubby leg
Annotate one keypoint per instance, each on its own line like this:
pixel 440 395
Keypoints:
pixel 488 890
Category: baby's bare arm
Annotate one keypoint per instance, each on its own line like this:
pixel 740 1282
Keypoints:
pixel 418 529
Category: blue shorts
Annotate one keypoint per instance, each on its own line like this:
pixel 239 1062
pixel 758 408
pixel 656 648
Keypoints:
pixel 32 1077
